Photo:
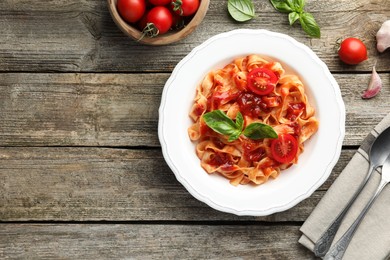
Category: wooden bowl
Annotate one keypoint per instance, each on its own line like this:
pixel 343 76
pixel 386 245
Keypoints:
pixel 170 37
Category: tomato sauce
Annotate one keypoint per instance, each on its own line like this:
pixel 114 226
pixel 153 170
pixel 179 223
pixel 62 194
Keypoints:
pixel 220 98
pixel 218 143
pixel 251 104
pixel 297 129
pixel 199 109
pixel 253 153
pixel 271 101
pixel 222 160
pixel 294 110
pixel 204 130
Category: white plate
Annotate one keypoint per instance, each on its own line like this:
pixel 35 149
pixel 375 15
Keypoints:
pixel 292 185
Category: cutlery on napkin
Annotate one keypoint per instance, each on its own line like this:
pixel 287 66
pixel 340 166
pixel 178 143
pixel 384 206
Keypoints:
pixel 372 238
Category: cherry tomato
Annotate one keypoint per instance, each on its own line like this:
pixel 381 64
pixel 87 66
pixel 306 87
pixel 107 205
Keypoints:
pixel 178 21
pixel 285 148
pixel 159 2
pixel 159 20
pixel 185 7
pixel 352 51
pixel 262 81
pixel 131 10
pixel 141 24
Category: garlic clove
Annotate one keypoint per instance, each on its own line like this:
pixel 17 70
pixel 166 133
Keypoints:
pixel 383 37
pixel 374 87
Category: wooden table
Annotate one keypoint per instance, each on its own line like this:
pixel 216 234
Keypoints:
pixel 81 170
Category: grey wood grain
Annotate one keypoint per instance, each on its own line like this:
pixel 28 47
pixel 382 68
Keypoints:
pixel 145 241
pixel 78 134
pixel 89 184
pixel 121 110
pixel 80 35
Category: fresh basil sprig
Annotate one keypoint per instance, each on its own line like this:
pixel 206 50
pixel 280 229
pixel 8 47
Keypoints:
pixel 222 124
pixel 241 10
pixel 295 10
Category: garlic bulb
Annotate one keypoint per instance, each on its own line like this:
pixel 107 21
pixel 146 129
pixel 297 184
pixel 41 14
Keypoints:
pixel 383 37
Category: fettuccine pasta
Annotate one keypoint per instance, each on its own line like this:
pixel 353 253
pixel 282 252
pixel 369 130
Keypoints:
pixel 285 108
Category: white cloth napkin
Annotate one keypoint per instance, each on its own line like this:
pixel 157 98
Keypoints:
pixel 372 238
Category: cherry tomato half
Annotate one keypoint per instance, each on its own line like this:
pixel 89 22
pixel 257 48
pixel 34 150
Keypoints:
pixel 185 7
pixel 160 18
pixel 261 81
pixel 131 10
pixel 352 51
pixel 285 148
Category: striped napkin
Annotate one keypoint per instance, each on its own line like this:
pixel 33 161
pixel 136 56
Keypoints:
pixel 372 237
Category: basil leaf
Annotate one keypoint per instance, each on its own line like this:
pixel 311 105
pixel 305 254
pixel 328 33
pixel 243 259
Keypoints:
pixel 310 25
pixel 241 10
pixel 298 5
pixel 259 131
pixel 291 4
pixel 240 121
pixel 281 6
pixel 292 17
pixel 220 122
pixel 234 136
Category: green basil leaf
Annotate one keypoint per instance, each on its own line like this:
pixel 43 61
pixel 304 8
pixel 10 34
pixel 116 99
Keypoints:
pixel 241 10
pixel 292 17
pixel 298 5
pixel 234 136
pixel 291 4
pixel 220 122
pixel 310 25
pixel 281 6
pixel 240 121
pixel 259 131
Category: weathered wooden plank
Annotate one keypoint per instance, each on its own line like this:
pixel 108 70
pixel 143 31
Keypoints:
pixel 88 184
pixel 80 35
pixel 82 241
pixel 122 109
pixel 79 109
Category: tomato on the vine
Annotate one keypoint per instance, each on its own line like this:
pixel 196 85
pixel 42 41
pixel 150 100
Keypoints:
pixel 158 21
pixel 352 51
pixel 131 10
pixel 261 81
pixel 285 148
pixel 185 7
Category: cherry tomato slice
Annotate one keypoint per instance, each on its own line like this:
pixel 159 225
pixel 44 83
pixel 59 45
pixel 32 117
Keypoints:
pixel 285 148
pixel 262 81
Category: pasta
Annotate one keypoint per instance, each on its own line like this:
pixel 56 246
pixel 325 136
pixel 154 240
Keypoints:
pixel 234 90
